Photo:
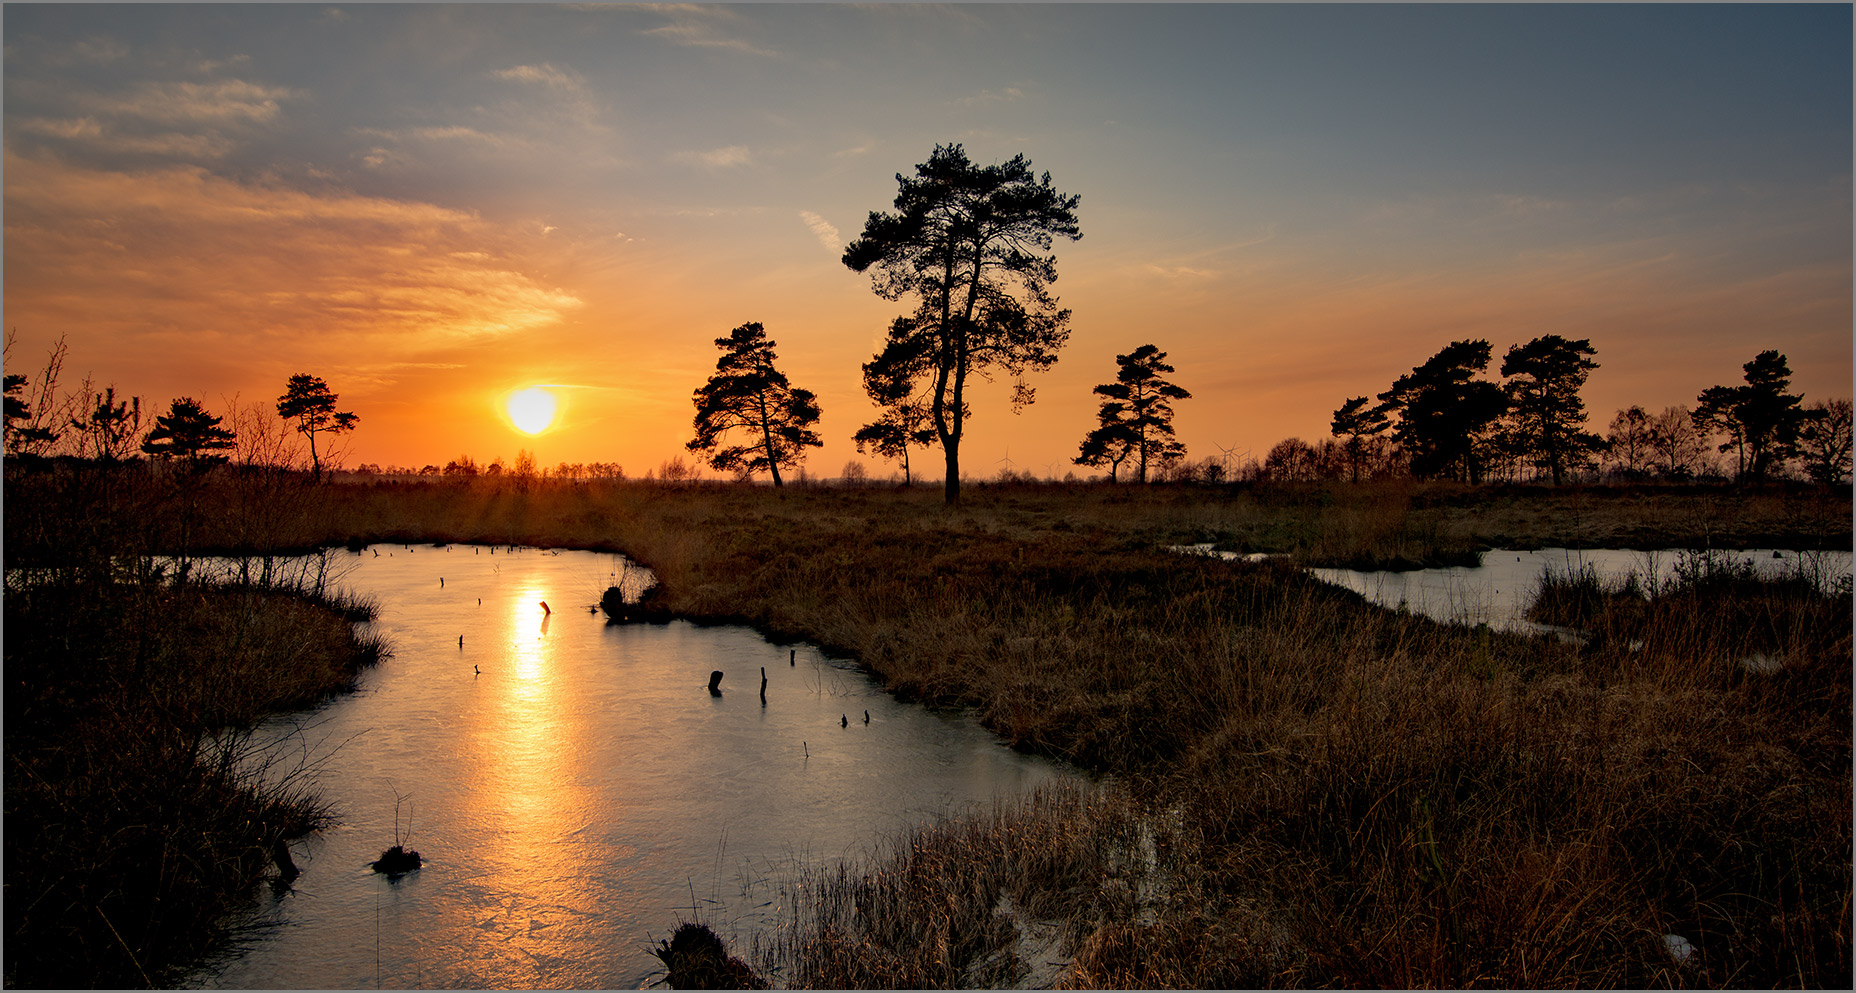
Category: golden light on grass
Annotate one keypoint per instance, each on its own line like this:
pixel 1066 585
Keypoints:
pixel 531 410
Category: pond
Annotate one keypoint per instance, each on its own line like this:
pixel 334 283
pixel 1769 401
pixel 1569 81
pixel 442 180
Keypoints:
pixel 573 787
pixel 1498 591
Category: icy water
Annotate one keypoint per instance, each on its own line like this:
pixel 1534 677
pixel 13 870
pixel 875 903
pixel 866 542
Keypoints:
pixel 1497 592
pixel 574 788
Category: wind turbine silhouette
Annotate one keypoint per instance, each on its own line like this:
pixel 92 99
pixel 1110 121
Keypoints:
pixel 1008 459
pixel 1225 457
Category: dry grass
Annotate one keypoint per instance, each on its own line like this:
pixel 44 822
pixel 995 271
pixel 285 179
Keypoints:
pixel 136 811
pixel 1367 798
pixel 1076 887
pixel 1347 796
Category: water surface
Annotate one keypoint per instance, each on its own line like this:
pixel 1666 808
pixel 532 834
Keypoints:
pixel 1498 591
pixel 574 787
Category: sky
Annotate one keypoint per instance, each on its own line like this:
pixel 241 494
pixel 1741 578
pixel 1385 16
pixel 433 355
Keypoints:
pixel 433 206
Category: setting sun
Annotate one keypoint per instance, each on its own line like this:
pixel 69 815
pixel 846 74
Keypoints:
pixel 531 410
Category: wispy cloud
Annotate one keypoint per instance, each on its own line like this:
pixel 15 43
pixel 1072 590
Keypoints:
pixel 67 128
pixel 210 66
pixel 1213 262
pixel 983 97
pixel 455 133
pixel 379 158
pixel 562 102
pixel 702 26
pixel 719 158
pixel 87 51
pixel 1179 271
pixel 90 132
pixel 99 50
pixel 225 101
pixel 544 74
pixel 186 251
pixel 824 231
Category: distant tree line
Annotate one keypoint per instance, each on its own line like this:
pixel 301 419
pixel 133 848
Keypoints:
pixel 96 425
pixel 1441 422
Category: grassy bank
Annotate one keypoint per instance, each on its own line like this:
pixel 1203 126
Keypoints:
pixel 1311 791
pixel 135 816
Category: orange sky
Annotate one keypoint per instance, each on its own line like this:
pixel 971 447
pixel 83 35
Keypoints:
pixel 433 207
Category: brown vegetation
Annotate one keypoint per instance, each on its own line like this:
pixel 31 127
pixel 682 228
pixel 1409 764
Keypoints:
pixel 1362 798
pixel 138 809
pixel 1305 790
pixel 133 796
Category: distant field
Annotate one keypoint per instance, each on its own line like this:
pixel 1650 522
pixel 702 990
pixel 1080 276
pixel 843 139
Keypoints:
pixel 1397 521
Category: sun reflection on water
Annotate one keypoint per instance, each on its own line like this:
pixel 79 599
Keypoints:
pixel 526 787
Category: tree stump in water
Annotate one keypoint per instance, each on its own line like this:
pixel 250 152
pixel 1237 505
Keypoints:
pixel 280 853
pixel 613 603
pixel 697 960
pixel 715 683
pixel 398 861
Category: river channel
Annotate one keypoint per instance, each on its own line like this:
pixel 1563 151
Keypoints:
pixel 574 788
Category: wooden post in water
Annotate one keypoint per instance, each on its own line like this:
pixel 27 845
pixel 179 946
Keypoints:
pixel 280 853
pixel 792 657
pixel 715 683
pixel 763 686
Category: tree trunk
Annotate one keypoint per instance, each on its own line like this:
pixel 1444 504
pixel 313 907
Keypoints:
pixel 951 489
pixel 766 439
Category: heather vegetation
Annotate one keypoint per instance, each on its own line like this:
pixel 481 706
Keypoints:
pixel 1306 790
